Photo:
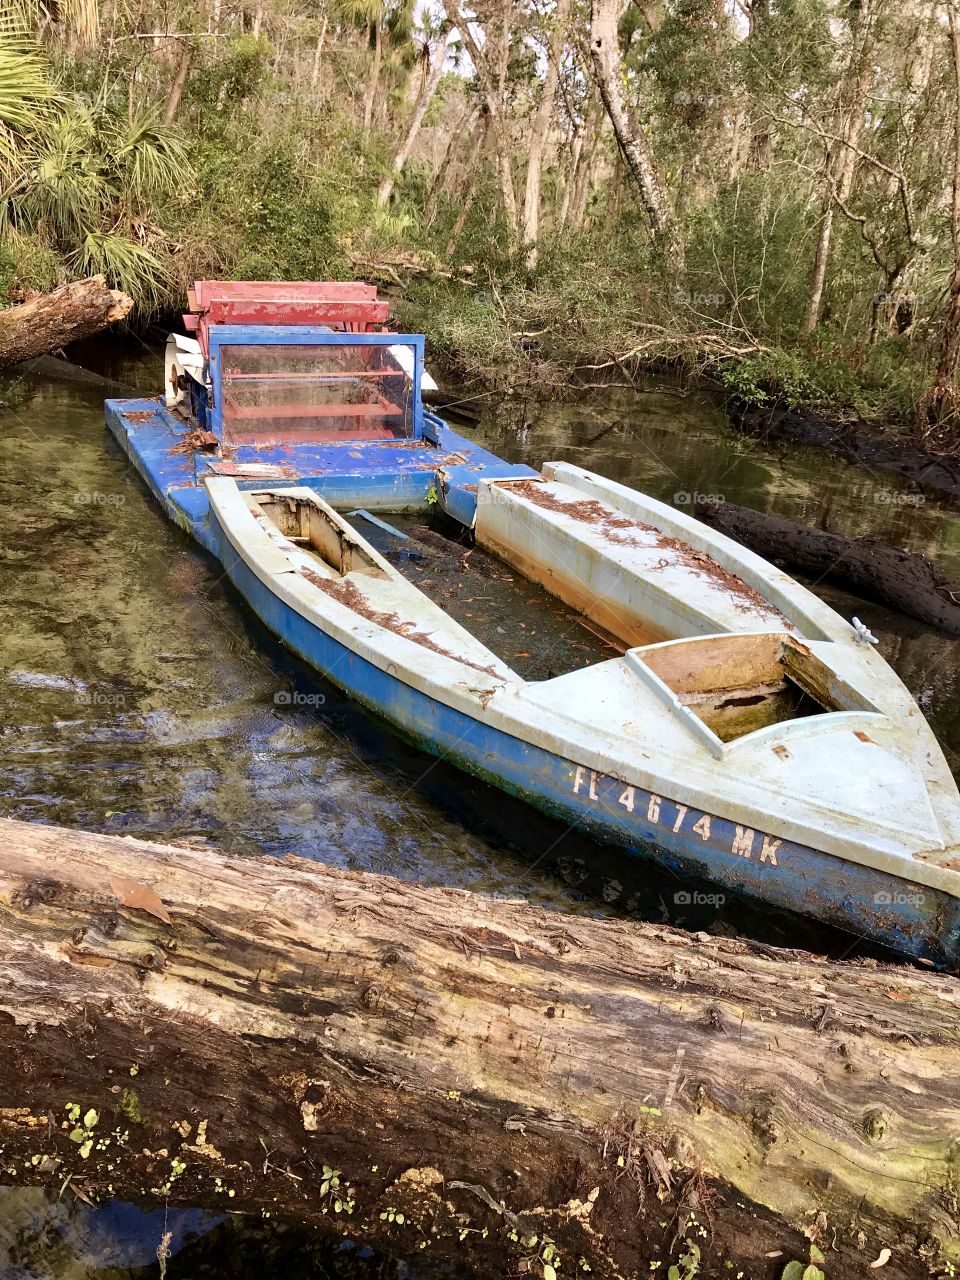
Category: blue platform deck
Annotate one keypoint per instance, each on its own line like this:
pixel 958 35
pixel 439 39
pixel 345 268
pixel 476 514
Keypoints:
pixel 384 475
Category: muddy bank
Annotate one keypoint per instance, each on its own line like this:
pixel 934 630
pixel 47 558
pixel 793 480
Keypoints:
pixel 867 445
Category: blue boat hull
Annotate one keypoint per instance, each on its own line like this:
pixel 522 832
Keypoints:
pixel 912 919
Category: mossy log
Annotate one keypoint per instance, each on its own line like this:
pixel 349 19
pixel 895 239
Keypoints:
pixel 53 320
pixel 181 1024
pixel 905 581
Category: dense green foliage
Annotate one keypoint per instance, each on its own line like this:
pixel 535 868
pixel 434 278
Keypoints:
pixel 161 143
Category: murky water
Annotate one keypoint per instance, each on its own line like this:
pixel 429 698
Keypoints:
pixel 139 696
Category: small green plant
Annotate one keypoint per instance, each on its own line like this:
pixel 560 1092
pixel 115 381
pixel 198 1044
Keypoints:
pixel 177 1168
pixel 83 1130
pixel 687 1265
pixel 337 1194
pixel 540 1251
pixel 805 1271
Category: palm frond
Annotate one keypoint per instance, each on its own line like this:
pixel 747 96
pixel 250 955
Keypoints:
pixel 82 18
pixel 127 265
pixel 151 156
pixel 26 93
pixel 24 85
pixel 69 190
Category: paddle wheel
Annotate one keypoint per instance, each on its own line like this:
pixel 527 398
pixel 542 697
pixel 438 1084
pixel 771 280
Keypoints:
pixel 282 363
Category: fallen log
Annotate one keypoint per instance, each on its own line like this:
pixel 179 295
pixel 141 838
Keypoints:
pixel 437 1071
pixel 53 320
pixel 865 444
pixel 911 583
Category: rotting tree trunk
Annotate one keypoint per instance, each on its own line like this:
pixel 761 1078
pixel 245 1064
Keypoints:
pixel 478 1069
pixel 911 583
pixel 631 136
pixel 54 320
pixel 424 99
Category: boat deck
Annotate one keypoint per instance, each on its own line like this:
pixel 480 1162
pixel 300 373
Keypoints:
pixel 640 581
pixel 380 475
pixel 537 635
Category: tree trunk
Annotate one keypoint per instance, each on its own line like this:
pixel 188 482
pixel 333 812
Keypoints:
pixel 949 362
pixel 588 167
pixel 54 320
pixel 427 91
pixel 462 127
pixel 938 411
pixel 631 136
pixel 317 55
pixel 373 84
pixel 841 167
pixel 911 583
pixel 470 194
pixel 179 83
pixel 455 1075
pixel 539 132
pixel 573 168
pixel 492 81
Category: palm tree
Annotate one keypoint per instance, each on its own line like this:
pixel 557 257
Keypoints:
pixel 424 98
pixel 382 20
pixel 26 93
pixel 78 19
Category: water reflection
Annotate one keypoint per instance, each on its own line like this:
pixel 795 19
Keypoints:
pixel 43 1237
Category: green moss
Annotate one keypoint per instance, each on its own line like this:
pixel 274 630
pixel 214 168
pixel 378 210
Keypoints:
pixel 130 1106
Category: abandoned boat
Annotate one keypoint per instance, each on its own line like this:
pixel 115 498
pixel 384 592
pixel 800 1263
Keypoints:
pixel 735 727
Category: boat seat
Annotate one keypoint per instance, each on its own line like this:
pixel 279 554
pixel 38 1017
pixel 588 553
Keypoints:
pixel 632 578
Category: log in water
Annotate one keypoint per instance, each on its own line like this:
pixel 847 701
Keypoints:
pixel 53 320
pixel 900 579
pixel 432 1069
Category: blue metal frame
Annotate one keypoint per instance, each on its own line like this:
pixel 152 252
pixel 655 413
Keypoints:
pixel 233 335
